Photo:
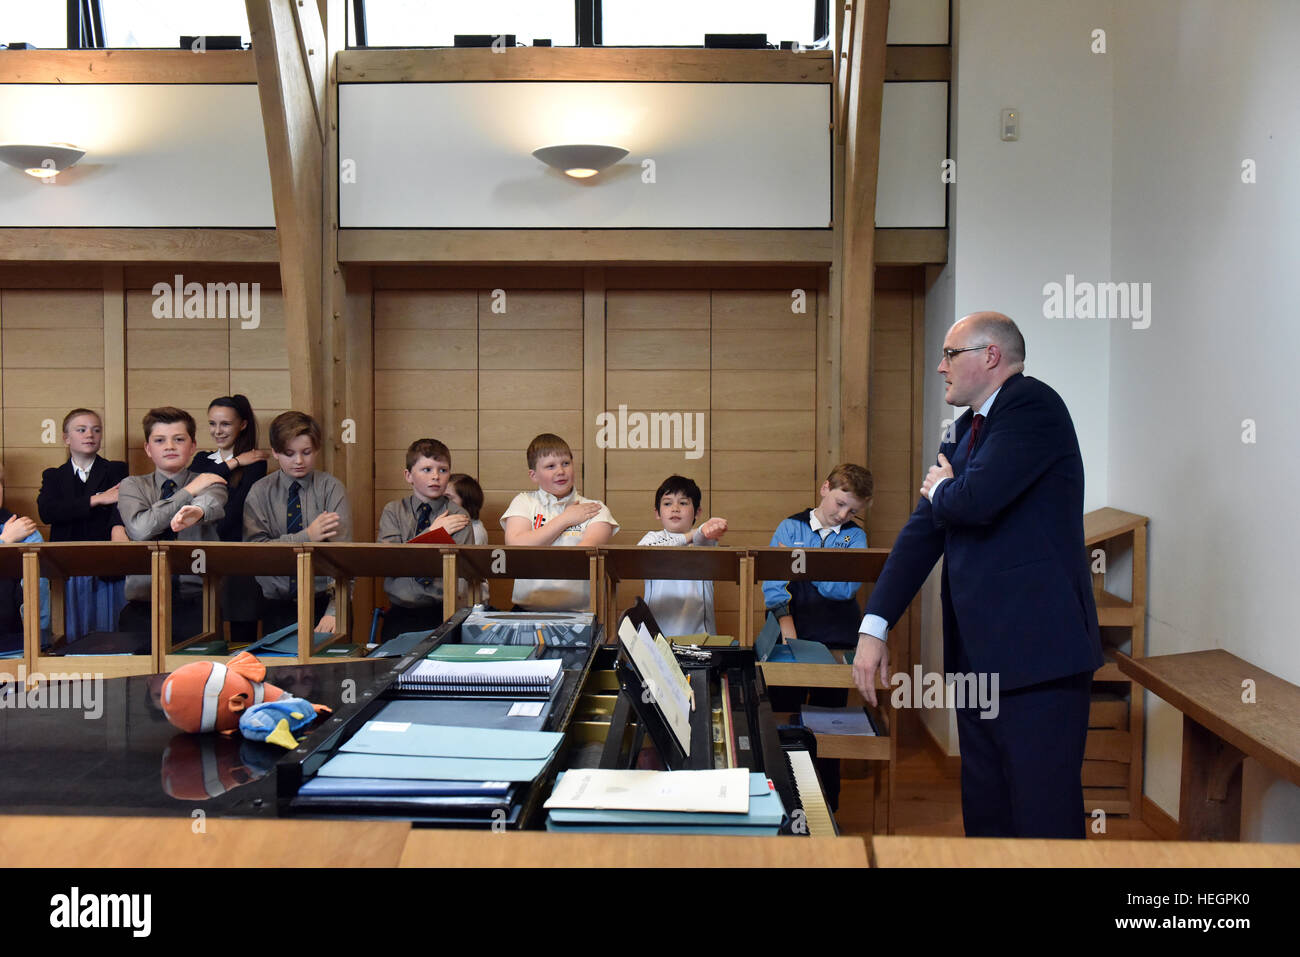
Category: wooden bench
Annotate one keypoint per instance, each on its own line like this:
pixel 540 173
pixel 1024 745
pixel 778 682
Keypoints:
pixel 1220 729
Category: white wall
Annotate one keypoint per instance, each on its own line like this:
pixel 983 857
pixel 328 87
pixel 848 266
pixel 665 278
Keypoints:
pixel 1201 86
pixel 913 145
pixel 460 154
pixel 156 155
pixel 1023 214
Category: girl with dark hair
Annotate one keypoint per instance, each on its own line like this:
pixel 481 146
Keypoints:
pixel 240 462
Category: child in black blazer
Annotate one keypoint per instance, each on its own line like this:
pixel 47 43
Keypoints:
pixel 240 462
pixel 78 500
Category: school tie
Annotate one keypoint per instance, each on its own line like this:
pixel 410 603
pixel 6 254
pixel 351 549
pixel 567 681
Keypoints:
pixel 974 433
pixel 423 519
pixel 293 512
pixel 168 490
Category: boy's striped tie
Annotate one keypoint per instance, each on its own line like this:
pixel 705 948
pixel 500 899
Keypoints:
pixel 168 490
pixel 293 513
pixel 423 519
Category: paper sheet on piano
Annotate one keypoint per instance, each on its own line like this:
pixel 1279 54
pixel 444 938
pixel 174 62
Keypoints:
pixel 724 791
pixel 663 676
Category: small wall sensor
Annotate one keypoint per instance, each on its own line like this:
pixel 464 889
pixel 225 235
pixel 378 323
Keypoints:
pixel 1010 125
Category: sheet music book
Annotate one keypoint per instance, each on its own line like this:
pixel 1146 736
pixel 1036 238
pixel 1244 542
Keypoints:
pixel 723 791
pixel 528 678
pixel 663 677
pixel 434 536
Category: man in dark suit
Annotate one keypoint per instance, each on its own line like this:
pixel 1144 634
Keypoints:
pixel 1004 507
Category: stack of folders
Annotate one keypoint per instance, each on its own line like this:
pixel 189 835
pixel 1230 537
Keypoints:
pixel 732 801
pixel 478 678
pixel 437 772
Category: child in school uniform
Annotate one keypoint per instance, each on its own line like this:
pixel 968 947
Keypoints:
pixel 465 491
pixel 554 514
pixel 78 501
pixel 822 611
pixel 172 503
pixel 299 503
pixel 416 603
pixel 16 530
pixel 239 461
pixel 682 607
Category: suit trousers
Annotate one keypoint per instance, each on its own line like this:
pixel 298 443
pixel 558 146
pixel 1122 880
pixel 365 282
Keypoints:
pixel 1022 771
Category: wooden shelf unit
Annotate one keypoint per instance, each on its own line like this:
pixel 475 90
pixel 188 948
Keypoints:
pixel 1112 759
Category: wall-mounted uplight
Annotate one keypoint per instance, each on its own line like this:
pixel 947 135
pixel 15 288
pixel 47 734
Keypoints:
pixel 580 160
pixel 41 160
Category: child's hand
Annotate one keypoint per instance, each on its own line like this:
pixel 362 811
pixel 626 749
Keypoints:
pixel 450 523
pixel 326 625
pixel 244 459
pixel 187 515
pixel 323 527
pixel 106 498
pixel 16 529
pixel 577 513
pixel 714 529
pixel 202 481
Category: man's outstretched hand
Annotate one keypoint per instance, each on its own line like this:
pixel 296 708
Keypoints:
pixel 870 660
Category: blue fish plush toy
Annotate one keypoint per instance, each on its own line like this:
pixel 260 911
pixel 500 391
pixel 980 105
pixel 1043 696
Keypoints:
pixel 275 721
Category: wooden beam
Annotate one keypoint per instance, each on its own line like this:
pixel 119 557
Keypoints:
pixel 107 244
pixel 126 66
pixel 844 80
pixel 569 63
pixel 861 160
pixel 585 245
pixel 918 63
pixel 294 149
pixel 911 247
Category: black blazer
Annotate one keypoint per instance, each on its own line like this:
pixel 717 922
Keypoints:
pixel 64 501
pixel 231 526
pixel 1017 593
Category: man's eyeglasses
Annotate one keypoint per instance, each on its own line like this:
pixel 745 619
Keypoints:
pixel 950 353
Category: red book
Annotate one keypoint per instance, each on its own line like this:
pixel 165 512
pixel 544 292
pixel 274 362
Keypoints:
pixel 434 536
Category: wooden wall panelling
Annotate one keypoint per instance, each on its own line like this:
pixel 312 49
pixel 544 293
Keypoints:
pixel 52 353
pixel 114 412
pixel 593 380
pixel 126 66
pixel 531 346
pixel 358 404
pixel 763 424
pixel 657 360
pixel 126 244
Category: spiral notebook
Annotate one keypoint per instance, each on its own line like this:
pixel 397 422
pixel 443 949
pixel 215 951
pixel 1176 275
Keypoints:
pixel 530 679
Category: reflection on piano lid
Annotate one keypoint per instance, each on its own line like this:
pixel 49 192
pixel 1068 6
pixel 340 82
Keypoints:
pixel 817 815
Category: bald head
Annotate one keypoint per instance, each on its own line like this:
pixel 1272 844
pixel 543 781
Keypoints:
pixel 1001 331
pixel 986 349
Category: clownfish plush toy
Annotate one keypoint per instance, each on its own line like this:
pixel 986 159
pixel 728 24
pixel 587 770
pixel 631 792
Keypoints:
pixel 212 696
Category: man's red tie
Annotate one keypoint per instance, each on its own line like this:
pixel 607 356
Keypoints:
pixel 974 433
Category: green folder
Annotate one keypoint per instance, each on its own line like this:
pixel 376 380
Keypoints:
pixel 482 652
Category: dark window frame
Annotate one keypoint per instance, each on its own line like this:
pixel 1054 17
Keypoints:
pixel 587 20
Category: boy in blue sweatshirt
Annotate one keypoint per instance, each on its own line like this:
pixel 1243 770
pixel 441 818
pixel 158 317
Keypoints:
pixel 822 611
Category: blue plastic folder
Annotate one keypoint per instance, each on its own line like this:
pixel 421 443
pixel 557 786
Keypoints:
pixel 406 767
pixel 768 647
pixel 766 812
pixel 442 741
pixel 360 787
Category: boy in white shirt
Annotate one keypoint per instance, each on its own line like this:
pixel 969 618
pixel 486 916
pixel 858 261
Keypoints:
pixel 682 607
pixel 554 514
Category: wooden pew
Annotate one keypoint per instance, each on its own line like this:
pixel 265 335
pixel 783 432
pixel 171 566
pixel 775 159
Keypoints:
pixel 477 563
pixel 840 565
pixel 59 561
pixel 217 560
pixel 1220 730
pixel 685 563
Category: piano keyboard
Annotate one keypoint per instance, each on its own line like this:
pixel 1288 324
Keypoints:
pixel 809 790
